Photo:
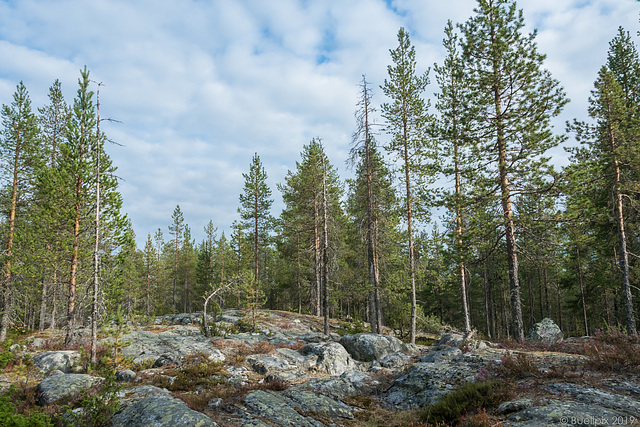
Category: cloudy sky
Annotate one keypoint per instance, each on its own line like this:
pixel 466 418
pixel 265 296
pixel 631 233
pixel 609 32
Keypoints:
pixel 199 86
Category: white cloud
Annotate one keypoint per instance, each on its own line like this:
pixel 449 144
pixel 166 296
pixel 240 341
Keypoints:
pixel 200 86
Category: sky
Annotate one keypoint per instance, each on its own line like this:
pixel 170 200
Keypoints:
pixel 199 86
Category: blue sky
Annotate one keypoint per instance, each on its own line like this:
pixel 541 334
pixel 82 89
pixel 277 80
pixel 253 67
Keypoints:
pixel 199 86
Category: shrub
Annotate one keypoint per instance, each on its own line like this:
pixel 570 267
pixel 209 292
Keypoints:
pixel 614 351
pixel 6 356
pixel 518 367
pixel 468 398
pixel 18 408
pixel 97 404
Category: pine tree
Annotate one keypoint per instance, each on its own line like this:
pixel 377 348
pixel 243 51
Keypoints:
pixel 407 122
pixel 513 101
pixel 453 131
pixel 255 206
pixel 20 157
pixel 176 229
pixel 150 272
pixel 53 119
pixel 301 220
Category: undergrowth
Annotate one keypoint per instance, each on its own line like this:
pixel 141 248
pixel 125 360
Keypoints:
pixel 614 351
pixel 467 400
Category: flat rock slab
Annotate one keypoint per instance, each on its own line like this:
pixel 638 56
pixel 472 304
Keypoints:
pixel 173 344
pixel 592 396
pixel 277 409
pixel 561 412
pixel 160 411
pixel 58 386
pixel 309 401
pixel 424 383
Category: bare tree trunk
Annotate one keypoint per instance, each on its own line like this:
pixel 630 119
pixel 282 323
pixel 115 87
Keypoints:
pixel 96 247
pixel 582 297
pixel 54 300
pixel 43 304
pixel 325 248
pixel 317 292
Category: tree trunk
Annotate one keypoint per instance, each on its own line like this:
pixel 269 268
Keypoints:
pixel 622 236
pixel 582 297
pixel 512 254
pixel 71 306
pixel 325 248
pixel 412 265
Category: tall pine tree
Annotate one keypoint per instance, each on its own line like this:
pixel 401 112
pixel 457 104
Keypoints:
pixel 514 99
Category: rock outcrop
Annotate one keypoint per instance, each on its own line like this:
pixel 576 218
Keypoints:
pixel 301 377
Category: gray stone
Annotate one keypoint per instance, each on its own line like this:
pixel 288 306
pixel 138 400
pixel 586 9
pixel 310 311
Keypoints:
pixel 56 387
pixel 445 355
pixel 563 412
pixel 424 383
pixel 37 343
pixel 17 348
pixel 265 363
pixel 297 358
pixel 166 360
pixel 54 372
pixel 125 376
pixel 513 406
pixel 545 331
pixel 65 361
pixel 277 409
pixel 396 361
pixel 318 403
pixel 368 347
pixel 287 376
pixel 450 339
pixel 134 394
pixel 174 344
pixel 335 387
pixel 332 357
pixel 160 410
pixel 592 396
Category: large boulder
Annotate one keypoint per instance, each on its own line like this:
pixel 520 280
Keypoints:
pixel 160 410
pixel 65 361
pixel 369 347
pixel 332 357
pixel 546 331
pixel 56 387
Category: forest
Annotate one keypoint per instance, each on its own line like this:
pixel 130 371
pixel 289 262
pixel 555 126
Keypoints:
pixel 456 213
